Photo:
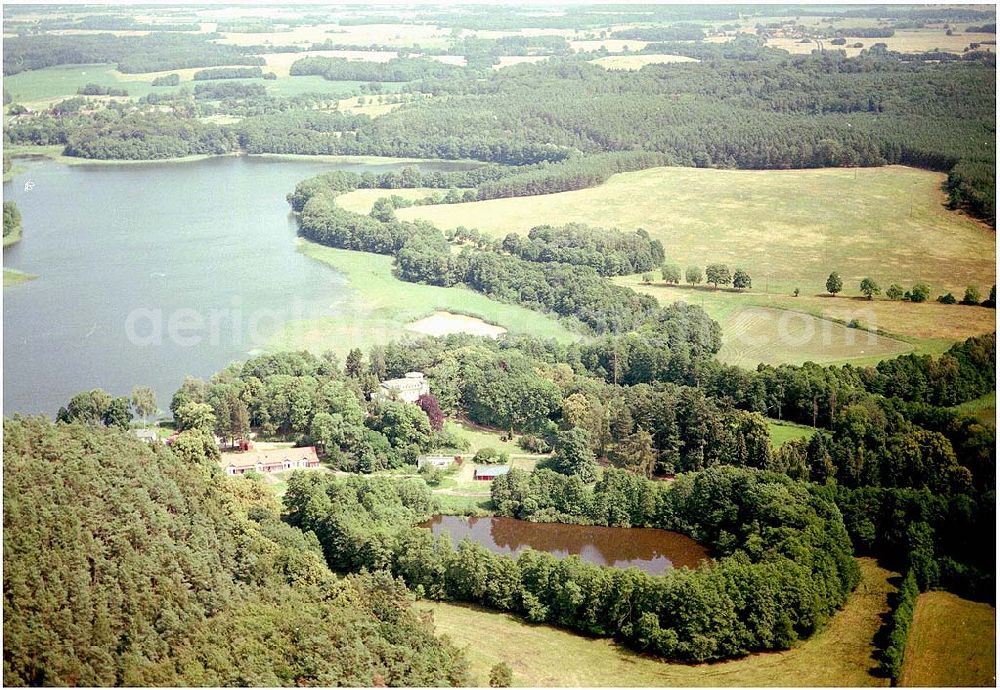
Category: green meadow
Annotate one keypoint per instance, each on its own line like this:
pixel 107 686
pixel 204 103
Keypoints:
pixel 381 305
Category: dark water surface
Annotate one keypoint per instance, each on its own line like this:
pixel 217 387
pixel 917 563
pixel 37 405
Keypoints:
pixel 150 271
pixel 653 551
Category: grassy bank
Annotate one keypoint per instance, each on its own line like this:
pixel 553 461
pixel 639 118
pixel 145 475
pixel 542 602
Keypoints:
pixel 12 277
pixel 381 305
pixel 984 409
pixel 543 656
pixel 952 643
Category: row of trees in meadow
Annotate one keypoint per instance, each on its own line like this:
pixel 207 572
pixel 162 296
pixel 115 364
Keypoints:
pixel 920 292
pixel 716 274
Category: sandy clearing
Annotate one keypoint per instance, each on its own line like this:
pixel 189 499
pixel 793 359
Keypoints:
pixel 445 323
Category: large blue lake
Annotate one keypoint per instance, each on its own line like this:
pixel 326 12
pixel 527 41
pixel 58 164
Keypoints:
pixel 150 271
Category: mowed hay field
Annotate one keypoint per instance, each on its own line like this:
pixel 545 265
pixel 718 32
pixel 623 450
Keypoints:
pixel 903 41
pixel 544 656
pixel 753 335
pixel 952 643
pixel 789 229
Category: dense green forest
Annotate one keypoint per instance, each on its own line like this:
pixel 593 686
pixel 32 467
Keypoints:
pixel 126 564
pixel 11 219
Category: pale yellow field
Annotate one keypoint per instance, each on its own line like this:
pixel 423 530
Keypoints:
pixel 788 227
pixel 634 62
pixel 917 41
pixel 361 200
pixel 402 35
pixel 543 656
pixel 612 45
pixel 952 643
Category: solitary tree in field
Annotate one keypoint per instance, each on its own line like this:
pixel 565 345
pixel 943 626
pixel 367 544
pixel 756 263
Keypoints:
pixel 869 288
pixel 895 291
pixel 972 295
pixel 671 273
pixel 741 279
pixel 692 275
pixel 718 274
pixel 834 284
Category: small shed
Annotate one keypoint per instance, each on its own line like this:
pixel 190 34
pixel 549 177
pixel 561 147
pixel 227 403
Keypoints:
pixel 438 462
pixel 487 473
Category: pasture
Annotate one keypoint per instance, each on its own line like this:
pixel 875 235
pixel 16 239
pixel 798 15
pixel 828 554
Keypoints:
pixel 362 200
pixel 544 656
pixel 789 229
pixel 915 41
pixel 381 305
pixel 952 643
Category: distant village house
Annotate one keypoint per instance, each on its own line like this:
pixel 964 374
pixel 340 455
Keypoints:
pixel 408 389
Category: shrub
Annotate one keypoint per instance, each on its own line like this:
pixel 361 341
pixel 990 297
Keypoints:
pixel 501 676
pixel 899 627
pixel 919 293
pixel 972 295
pixel 947 299
pixel 894 291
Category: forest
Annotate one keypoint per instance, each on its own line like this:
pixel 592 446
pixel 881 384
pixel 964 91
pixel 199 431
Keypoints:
pixel 159 571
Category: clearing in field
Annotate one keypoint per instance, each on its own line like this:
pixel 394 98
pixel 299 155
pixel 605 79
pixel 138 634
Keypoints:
pixel 362 200
pixel 634 62
pixel 952 643
pixel 544 656
pixel 786 431
pixel 754 335
pixel 445 323
pixel 381 305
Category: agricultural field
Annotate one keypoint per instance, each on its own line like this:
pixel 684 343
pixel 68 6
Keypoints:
pixel 612 45
pixel 633 62
pixel 952 643
pixel 789 229
pixel 381 305
pixel 917 41
pixel 544 656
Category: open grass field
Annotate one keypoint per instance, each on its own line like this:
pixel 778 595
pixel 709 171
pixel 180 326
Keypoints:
pixel 786 431
pixel 753 335
pixel 42 88
pixel 634 62
pixel 952 643
pixel 381 305
pixel 915 41
pixel 789 229
pixel 362 200
pixel 984 409
pixel 543 656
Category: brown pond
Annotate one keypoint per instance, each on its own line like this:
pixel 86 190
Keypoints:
pixel 651 550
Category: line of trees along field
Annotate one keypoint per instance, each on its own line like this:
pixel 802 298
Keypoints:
pixel 130 564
